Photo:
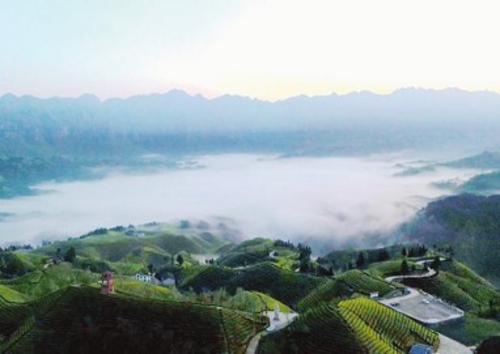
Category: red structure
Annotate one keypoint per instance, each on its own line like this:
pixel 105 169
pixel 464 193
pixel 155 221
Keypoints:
pixel 107 283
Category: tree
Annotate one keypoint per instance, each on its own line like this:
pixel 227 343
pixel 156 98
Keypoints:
pixel 383 255
pixel 404 267
pixel 412 253
pixel 422 251
pixel 70 255
pixel 404 253
pixel 304 257
pixel 150 268
pixel 180 259
pixel 436 263
pixel 489 346
pixel 360 262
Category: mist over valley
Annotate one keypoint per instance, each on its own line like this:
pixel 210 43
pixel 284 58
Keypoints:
pixel 332 202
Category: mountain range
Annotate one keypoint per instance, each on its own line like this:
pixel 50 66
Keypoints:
pixel 360 122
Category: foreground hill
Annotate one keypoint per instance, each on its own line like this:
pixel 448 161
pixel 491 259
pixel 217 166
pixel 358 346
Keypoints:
pixel 83 321
pixel 353 326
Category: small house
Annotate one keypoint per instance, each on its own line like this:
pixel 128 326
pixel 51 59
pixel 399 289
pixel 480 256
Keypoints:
pixel 421 349
pixel 143 277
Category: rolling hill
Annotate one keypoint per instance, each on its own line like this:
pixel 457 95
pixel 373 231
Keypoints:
pixel 353 326
pixel 470 224
pixel 83 321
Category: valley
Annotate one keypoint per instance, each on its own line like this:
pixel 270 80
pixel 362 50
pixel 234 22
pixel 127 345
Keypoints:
pixel 228 296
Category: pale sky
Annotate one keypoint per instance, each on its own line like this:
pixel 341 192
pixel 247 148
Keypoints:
pixel 267 49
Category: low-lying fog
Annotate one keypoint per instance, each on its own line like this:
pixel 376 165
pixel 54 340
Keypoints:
pixel 295 198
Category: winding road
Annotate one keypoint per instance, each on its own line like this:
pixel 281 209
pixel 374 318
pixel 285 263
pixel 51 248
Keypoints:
pixel 284 320
pixel 446 345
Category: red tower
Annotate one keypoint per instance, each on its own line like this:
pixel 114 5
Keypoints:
pixel 107 283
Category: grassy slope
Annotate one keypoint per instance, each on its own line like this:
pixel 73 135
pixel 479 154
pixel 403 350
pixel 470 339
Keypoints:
pixel 128 255
pixel 355 326
pixel 270 302
pixel 459 285
pixel 83 320
pixel 388 268
pixel 41 283
pixel 364 283
pixel 286 286
pixel 10 295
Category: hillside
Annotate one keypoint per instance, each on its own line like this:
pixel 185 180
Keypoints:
pixel 284 285
pixel 353 326
pixel 224 299
pixel 134 249
pixel 459 285
pixel 486 160
pixel 470 224
pixel 486 183
pixel 84 321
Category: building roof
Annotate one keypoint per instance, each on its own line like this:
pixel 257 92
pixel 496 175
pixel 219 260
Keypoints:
pixel 421 349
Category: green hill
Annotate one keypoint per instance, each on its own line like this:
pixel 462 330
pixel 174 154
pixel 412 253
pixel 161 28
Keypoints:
pixel 363 283
pixel 330 291
pixel 287 286
pixel 470 224
pixel 14 264
pixel 460 286
pixel 85 321
pixel 130 250
pixel 354 326
pixel 389 268
pixel 344 286
pixel 10 295
pixel 40 283
pixel 241 259
pixel 485 183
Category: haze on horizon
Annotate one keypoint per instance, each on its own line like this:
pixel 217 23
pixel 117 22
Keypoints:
pixel 263 49
pixel 328 202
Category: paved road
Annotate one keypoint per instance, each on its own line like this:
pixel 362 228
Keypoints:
pixel 284 320
pixel 449 346
pixel 254 343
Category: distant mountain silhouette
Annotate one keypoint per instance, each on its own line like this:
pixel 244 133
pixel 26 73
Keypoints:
pixel 358 122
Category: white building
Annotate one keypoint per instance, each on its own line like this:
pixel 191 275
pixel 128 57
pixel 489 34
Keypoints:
pixel 143 277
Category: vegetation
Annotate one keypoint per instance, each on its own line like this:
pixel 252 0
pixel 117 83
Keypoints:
pixel 286 286
pixel 354 326
pixel 483 183
pixel 362 282
pixel 389 268
pixel 458 285
pixel 470 224
pixel 330 291
pixel 41 290
pixel 82 316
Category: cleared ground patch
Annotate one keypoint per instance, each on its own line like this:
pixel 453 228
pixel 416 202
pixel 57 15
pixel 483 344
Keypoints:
pixel 424 308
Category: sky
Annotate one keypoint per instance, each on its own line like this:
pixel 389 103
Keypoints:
pixel 266 49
